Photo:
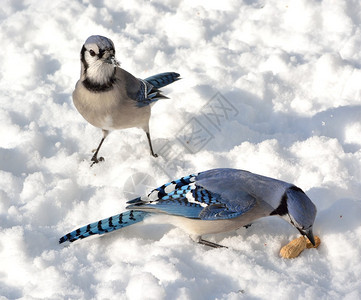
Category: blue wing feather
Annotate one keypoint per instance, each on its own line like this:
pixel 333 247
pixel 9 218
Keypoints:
pixel 177 207
pixel 182 183
pixel 187 197
pixel 149 92
pixel 228 198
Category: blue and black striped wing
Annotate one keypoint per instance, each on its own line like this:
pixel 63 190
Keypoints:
pixel 104 226
pixel 185 197
pixel 170 198
pixel 233 199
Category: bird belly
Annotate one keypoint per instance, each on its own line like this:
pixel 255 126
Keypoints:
pixel 107 112
pixel 197 227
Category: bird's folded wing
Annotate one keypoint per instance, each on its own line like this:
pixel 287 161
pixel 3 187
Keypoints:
pixel 145 92
pixel 185 197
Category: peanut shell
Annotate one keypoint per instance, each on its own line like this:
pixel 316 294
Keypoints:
pixel 293 248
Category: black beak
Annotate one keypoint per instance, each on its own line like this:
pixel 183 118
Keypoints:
pixel 309 235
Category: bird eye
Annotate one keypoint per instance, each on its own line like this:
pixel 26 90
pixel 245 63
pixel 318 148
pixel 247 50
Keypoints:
pixel 92 53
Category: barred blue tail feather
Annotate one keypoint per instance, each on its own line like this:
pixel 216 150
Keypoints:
pixel 106 225
pixel 162 79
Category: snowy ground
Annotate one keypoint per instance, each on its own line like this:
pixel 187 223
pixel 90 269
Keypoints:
pixel 288 74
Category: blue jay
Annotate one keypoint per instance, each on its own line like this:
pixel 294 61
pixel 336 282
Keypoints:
pixel 109 97
pixel 213 201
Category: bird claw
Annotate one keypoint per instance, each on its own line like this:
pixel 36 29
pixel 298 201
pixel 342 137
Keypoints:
pixel 96 160
pixel 210 244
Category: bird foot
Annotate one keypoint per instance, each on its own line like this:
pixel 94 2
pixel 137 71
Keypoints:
pixel 210 244
pixel 247 226
pixel 96 160
pixel 154 154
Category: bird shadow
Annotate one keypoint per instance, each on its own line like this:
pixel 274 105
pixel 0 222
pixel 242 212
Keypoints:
pixel 233 117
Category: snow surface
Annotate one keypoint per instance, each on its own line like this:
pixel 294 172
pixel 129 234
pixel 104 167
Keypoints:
pixel 288 74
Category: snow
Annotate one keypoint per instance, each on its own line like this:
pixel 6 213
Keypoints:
pixel 287 74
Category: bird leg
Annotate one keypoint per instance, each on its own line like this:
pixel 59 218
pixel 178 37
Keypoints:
pixel 95 158
pixel 150 145
pixel 210 244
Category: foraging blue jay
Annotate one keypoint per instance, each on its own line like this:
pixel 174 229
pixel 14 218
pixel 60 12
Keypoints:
pixel 213 201
pixel 109 97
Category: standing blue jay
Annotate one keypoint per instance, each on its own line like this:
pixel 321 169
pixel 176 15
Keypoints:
pixel 213 201
pixel 109 97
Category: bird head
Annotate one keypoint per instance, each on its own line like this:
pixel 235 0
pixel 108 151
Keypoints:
pixel 297 209
pixel 98 59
